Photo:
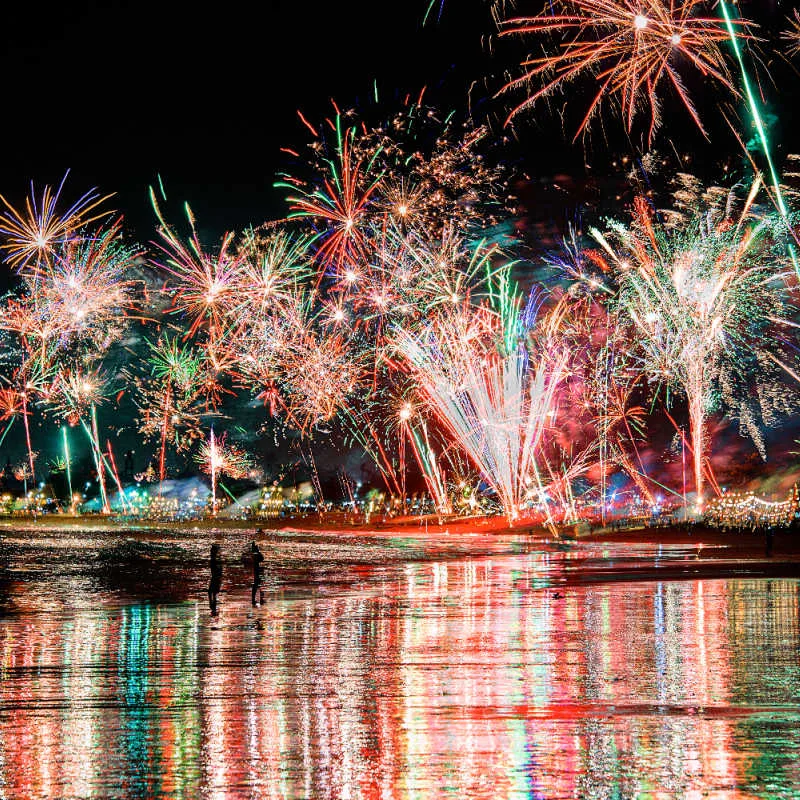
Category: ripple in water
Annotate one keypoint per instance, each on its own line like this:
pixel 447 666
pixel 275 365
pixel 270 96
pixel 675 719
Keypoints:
pixel 390 668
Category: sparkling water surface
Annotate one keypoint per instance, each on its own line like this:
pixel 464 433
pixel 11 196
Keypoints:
pixel 383 666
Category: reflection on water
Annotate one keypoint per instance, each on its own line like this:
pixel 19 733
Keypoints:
pixel 479 677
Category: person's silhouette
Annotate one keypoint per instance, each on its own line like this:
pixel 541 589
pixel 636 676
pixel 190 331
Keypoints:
pixel 258 559
pixel 770 535
pixel 128 471
pixel 216 578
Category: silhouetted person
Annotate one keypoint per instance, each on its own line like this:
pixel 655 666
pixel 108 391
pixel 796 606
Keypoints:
pixel 216 579
pixel 258 558
pixel 128 471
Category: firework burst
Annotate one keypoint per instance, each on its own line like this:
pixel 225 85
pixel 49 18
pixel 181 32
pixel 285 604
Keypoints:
pixel 34 234
pixel 339 202
pixel 705 295
pixel 792 35
pixel 492 385
pixel 632 49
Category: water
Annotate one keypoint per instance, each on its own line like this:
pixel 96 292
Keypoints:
pixel 383 667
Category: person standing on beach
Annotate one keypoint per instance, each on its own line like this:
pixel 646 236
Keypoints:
pixel 258 559
pixel 769 534
pixel 215 584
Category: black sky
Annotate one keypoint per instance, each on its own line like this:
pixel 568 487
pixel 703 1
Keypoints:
pixel 206 94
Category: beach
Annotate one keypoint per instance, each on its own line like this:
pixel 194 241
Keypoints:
pixel 397 663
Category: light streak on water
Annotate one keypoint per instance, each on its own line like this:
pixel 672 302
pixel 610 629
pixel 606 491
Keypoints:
pixel 477 667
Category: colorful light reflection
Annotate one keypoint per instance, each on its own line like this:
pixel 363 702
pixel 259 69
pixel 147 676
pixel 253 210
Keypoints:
pixel 466 678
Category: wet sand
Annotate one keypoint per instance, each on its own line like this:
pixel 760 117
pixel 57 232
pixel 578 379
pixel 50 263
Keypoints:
pixel 713 547
pixel 154 562
pixel 397 662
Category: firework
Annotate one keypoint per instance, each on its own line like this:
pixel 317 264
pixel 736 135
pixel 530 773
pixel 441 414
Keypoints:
pixel 318 374
pixel 74 393
pixel 70 307
pixel 169 397
pixel 425 456
pixel 632 51
pixel 704 294
pixel 289 358
pixel 603 419
pixel 421 272
pixel 75 303
pixel 492 385
pixel 367 420
pixel 27 384
pixel 413 170
pixel 273 309
pixel 87 289
pixel 339 203
pixel 755 109
pixel 792 34
pixel 67 464
pixel 412 274
pixel 273 268
pixel 74 397
pixel 249 311
pixel 34 235
pixel 10 404
pixel 217 458
pixel 619 423
pixel 202 279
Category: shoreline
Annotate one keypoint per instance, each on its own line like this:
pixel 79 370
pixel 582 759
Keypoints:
pixel 169 562
pixel 784 541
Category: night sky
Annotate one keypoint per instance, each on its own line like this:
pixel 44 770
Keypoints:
pixel 205 96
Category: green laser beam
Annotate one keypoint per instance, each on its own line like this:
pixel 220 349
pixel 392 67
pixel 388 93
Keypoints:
pixel 760 129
